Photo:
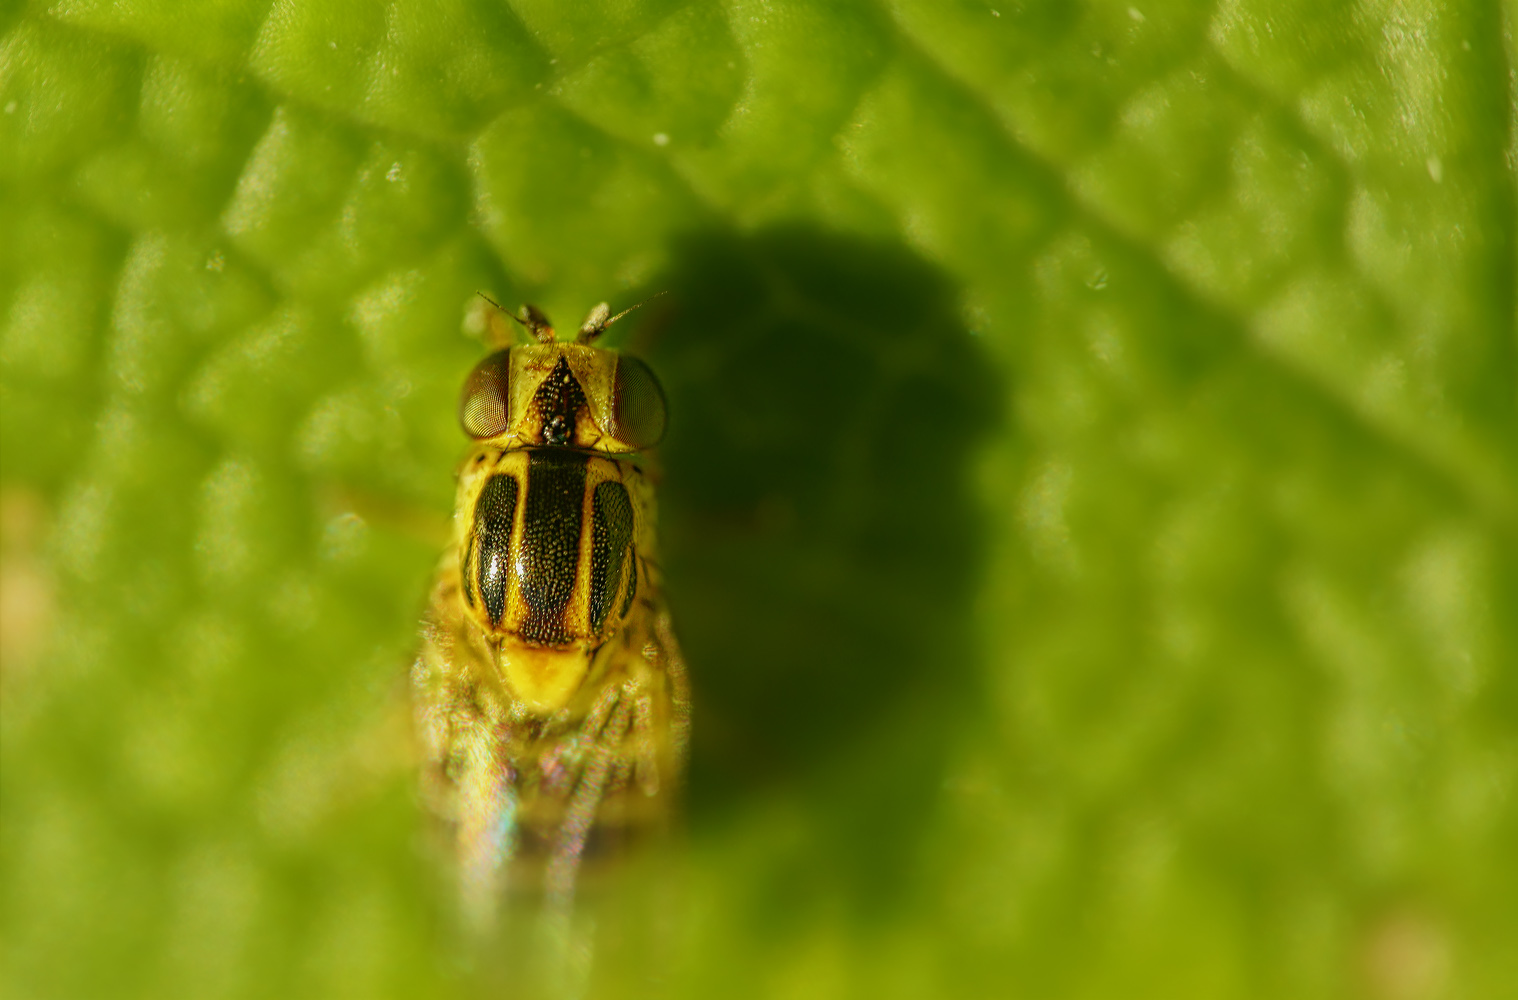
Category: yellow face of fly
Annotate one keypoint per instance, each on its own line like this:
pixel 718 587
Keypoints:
pixel 553 395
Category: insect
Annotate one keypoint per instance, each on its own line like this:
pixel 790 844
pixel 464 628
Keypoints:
pixel 550 696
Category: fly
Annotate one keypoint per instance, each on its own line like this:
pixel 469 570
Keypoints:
pixel 550 696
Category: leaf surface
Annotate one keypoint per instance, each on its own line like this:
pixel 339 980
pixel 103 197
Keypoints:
pixel 1090 508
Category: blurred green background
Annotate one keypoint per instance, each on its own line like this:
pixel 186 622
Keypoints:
pixel 1090 509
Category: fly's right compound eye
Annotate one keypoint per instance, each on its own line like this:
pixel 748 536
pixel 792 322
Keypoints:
pixel 485 403
pixel 637 406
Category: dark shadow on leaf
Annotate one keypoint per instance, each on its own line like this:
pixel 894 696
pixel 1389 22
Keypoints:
pixel 820 538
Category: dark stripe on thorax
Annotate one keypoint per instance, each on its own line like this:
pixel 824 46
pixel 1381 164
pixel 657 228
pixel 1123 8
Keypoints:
pixel 551 541
pixel 632 585
pixel 494 513
pixel 610 537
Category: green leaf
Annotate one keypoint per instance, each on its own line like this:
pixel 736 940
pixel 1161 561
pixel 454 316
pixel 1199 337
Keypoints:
pixel 1090 506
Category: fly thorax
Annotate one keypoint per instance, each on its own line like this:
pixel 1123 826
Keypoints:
pixel 548 559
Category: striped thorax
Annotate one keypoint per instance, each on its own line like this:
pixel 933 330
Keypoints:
pixel 548 563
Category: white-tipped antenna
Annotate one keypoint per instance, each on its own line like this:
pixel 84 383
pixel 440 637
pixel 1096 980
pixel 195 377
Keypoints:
pixel 600 318
pixel 530 317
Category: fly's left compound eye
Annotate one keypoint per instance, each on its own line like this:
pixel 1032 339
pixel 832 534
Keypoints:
pixel 637 404
pixel 485 403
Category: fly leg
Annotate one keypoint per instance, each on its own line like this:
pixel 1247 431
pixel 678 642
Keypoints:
pixel 679 685
pixel 467 778
pixel 602 763
pixel 486 802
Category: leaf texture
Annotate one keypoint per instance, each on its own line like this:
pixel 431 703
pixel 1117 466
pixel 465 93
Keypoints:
pixel 1091 501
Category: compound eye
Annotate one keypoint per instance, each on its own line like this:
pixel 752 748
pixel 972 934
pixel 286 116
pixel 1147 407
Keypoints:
pixel 637 404
pixel 485 402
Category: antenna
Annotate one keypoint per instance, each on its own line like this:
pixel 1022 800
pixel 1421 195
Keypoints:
pixel 530 317
pixel 600 318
